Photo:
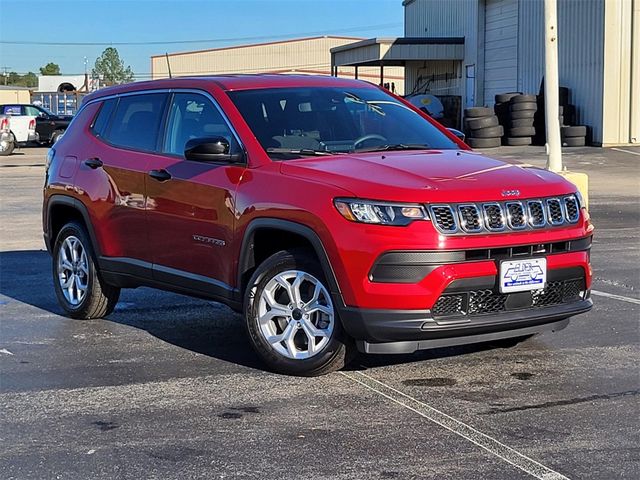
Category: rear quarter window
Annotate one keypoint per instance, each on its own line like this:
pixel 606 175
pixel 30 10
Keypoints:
pixel 101 122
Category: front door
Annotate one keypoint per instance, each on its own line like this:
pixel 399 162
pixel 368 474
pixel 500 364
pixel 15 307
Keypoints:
pixel 191 205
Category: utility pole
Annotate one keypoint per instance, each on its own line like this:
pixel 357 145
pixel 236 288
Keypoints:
pixel 5 73
pixel 552 86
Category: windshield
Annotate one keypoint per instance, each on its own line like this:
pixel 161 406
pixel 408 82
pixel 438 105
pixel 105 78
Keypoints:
pixel 321 121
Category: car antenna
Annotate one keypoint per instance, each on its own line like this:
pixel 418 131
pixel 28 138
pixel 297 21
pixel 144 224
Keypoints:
pixel 166 54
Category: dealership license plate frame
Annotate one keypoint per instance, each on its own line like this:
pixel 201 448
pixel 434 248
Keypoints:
pixel 523 275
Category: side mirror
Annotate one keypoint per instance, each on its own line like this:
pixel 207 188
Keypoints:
pixel 457 133
pixel 210 149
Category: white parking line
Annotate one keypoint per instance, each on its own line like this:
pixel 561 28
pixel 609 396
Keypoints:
pixel 626 151
pixel 616 297
pixel 461 429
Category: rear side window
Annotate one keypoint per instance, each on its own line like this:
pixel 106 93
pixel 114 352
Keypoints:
pixel 102 119
pixel 136 121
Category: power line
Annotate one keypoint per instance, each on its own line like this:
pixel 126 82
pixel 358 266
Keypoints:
pixel 210 40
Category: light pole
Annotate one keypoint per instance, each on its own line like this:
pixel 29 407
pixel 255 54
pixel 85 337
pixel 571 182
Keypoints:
pixel 552 86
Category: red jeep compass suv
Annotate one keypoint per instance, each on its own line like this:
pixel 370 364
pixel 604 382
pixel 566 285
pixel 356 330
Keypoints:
pixel 331 213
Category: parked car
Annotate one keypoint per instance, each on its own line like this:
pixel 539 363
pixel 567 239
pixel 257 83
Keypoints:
pixel 48 126
pixel 328 211
pixel 7 141
pixel 22 126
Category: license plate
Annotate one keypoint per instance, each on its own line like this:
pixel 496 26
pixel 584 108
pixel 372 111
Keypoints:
pixel 523 275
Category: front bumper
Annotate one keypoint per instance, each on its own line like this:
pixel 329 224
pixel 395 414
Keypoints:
pixel 405 331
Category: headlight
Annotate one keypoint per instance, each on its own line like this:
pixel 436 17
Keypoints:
pixel 578 196
pixel 367 211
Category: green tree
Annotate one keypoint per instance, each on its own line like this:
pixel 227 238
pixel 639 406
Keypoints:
pixel 50 69
pixel 28 80
pixel 111 68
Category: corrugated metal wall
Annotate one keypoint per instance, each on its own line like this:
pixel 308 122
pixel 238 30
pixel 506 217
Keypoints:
pixel 435 77
pixel 580 51
pixel 307 56
pixel 439 18
pixel 501 48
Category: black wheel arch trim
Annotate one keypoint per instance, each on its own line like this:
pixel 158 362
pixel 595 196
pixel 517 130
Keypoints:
pixel 59 199
pixel 245 263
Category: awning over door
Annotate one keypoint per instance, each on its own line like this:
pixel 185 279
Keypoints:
pixel 396 51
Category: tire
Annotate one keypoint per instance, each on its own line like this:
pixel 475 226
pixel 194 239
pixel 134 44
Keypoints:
pixel 506 97
pixel 476 112
pixel 489 132
pixel 518 141
pixel 56 136
pixel 574 142
pixel 518 107
pixel 523 114
pixel 522 122
pixel 522 132
pixel 334 349
pixel 482 122
pixel 8 148
pixel 523 98
pixel 483 142
pixel 99 299
pixel 576 131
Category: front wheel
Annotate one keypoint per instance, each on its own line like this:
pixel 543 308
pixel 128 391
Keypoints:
pixel 79 288
pixel 290 317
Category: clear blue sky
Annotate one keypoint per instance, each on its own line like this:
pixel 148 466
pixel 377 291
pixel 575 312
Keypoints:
pixel 232 21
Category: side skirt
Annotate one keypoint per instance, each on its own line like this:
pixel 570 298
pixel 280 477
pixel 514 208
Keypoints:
pixel 131 273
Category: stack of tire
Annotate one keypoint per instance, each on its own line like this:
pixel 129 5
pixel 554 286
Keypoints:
pixel 572 135
pixel 517 113
pixel 482 128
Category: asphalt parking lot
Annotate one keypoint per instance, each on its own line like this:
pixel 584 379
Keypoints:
pixel 167 387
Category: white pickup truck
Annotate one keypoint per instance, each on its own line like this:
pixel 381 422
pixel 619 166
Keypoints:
pixel 22 127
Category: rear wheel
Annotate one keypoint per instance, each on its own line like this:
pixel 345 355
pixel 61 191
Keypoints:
pixel 56 136
pixel 79 288
pixel 290 317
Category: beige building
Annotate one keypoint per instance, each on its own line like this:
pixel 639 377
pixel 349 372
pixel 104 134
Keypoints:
pixel 305 55
pixel 10 94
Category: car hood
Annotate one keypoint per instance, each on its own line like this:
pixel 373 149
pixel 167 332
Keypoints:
pixel 429 176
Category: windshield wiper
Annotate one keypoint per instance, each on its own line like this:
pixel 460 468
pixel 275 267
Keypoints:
pixel 396 146
pixel 302 151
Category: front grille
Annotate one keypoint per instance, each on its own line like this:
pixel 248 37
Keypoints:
pixel 469 218
pixel 537 217
pixel 501 216
pixel 554 209
pixel 516 217
pixel 493 216
pixel 444 217
pixel 488 301
pixel 571 208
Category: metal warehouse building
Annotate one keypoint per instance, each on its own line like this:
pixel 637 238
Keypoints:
pixel 475 49
pixel 302 56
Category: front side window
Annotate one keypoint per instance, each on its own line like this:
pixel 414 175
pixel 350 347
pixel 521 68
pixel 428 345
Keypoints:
pixel 327 120
pixel 192 115
pixel 136 121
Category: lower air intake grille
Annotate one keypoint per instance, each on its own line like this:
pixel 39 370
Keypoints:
pixel 486 301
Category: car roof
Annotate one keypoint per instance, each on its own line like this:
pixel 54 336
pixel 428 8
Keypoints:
pixel 234 82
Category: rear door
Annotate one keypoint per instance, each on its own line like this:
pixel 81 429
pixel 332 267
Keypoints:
pixel 191 205
pixel 115 165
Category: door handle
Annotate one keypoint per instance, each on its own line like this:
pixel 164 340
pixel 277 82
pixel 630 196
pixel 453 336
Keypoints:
pixel 160 175
pixel 93 163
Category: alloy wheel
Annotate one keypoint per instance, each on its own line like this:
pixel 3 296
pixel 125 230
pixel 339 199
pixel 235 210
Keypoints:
pixel 73 270
pixel 296 315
